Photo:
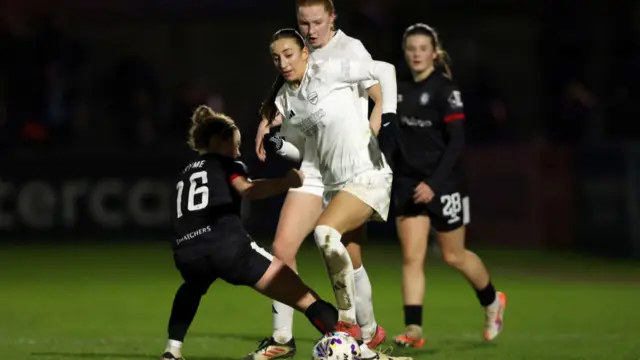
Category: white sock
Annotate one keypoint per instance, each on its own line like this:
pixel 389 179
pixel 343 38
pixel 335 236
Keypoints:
pixel 340 270
pixel 364 304
pixel 366 353
pixel 174 347
pixel 282 322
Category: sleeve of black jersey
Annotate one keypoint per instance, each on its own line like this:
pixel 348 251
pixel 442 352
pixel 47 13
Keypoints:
pixel 236 169
pixel 452 110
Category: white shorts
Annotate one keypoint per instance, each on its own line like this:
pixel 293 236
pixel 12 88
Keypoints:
pixel 312 183
pixel 372 187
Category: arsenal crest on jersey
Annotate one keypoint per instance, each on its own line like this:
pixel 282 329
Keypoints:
pixel 313 98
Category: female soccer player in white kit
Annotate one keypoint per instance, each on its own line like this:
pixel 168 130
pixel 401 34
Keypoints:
pixel 316 100
pixel 316 23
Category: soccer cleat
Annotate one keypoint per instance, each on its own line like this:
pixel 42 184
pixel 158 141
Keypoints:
pixel 270 349
pixel 379 355
pixel 352 329
pixel 494 317
pixel 411 337
pixel 169 356
pixel 379 337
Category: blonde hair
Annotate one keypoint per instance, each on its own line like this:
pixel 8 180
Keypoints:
pixel 442 60
pixel 206 123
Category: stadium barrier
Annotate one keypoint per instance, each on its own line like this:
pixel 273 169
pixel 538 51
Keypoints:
pixel 521 196
pixel 74 194
pixel 608 199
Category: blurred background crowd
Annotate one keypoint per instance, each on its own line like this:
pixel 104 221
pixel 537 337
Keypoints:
pixel 124 76
pixel 121 77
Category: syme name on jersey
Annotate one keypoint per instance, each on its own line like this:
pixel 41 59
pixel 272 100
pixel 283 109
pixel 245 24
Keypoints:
pixel 194 165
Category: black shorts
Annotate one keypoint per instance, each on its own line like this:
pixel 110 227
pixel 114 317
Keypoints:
pixel 448 210
pixel 238 261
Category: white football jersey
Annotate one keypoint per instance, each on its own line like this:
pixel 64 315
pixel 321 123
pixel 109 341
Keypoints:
pixel 340 46
pixel 322 110
pixel 343 46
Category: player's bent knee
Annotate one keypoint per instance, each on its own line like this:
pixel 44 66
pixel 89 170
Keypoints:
pixel 328 241
pixel 285 251
pixel 261 251
pixel 413 259
pixel 250 265
pixel 270 273
pixel 454 259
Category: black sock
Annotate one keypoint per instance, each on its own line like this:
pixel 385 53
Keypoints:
pixel 487 295
pixel 185 306
pixel 413 315
pixel 323 316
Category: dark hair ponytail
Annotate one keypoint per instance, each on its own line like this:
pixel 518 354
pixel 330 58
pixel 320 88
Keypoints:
pixel 268 109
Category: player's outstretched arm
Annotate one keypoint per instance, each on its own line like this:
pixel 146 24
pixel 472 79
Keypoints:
pixel 263 188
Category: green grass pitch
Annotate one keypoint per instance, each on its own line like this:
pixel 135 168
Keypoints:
pixel 108 302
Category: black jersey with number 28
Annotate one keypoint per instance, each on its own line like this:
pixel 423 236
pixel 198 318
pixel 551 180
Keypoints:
pixel 431 134
pixel 207 206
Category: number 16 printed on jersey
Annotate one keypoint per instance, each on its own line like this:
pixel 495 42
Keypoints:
pixel 202 191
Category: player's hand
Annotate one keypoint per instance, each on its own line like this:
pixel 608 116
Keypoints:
pixel 294 178
pixel 263 129
pixel 423 194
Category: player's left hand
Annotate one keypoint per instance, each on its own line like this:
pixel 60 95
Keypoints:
pixel 423 194
pixel 263 129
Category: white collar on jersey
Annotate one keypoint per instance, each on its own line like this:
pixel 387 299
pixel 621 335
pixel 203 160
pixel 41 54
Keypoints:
pixel 336 37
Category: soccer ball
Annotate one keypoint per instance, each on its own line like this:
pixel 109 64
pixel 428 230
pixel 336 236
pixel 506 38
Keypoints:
pixel 336 346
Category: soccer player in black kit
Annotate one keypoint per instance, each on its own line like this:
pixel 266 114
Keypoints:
pixel 210 241
pixel 429 185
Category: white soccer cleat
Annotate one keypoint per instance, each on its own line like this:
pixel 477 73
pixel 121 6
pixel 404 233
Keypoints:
pixel 269 349
pixel 494 317
pixel 368 354
pixel 169 356
pixel 383 356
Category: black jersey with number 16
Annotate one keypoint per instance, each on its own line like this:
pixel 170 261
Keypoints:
pixel 207 206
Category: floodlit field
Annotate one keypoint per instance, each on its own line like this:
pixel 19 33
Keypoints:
pixel 90 301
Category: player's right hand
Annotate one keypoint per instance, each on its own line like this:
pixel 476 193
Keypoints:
pixel 295 178
pixel 423 194
pixel 263 129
